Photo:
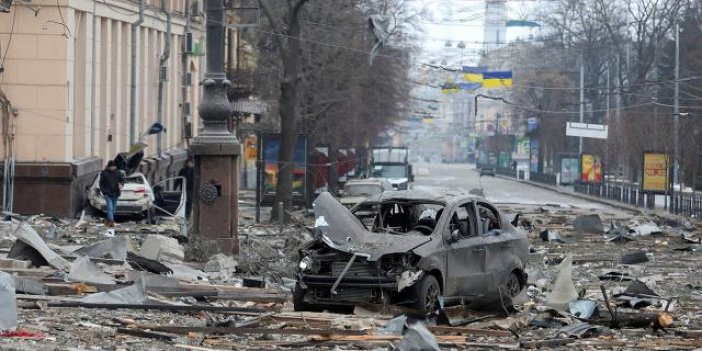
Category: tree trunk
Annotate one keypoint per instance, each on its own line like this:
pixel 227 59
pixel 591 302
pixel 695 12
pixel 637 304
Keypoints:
pixel 288 115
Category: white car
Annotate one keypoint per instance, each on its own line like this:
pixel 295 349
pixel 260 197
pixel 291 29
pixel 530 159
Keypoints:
pixel 358 190
pixel 137 196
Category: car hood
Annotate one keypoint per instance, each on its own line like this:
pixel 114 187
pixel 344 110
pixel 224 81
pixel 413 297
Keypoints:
pixel 341 230
pixel 353 199
pixel 395 181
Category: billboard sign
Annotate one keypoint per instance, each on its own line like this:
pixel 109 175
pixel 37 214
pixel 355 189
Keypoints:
pixel 270 152
pixel 569 170
pixel 655 172
pixel 590 168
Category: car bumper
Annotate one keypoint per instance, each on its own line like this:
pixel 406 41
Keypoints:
pixel 349 291
pixel 125 208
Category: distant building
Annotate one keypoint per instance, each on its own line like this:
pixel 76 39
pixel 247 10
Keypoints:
pixel 495 27
pixel 67 74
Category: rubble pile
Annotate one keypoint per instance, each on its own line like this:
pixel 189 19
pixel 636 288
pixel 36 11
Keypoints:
pixel 596 280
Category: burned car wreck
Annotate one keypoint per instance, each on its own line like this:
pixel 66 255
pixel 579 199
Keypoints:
pixel 410 248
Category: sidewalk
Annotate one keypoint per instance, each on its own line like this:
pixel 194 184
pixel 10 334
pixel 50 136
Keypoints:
pixel 616 204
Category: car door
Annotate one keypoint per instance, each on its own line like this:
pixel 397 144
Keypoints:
pixel 497 244
pixel 466 254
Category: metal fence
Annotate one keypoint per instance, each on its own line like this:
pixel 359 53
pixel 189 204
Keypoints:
pixel 622 192
pixel 687 204
pixel 543 178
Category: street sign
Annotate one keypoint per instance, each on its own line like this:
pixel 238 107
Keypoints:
pixel 585 130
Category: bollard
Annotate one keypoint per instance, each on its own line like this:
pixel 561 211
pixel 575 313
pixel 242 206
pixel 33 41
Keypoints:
pixel 281 216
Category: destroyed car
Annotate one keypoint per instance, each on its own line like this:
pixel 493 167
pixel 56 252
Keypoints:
pixel 410 248
pixel 356 191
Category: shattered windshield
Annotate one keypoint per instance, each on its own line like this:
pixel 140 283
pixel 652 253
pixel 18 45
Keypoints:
pixel 362 189
pixel 392 171
pixel 399 217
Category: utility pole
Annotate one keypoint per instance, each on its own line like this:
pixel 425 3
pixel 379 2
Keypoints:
pixel 133 96
pixel 676 119
pixel 582 101
pixel 216 150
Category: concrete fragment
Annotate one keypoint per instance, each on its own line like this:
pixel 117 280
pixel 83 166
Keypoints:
pixel 27 286
pixel 114 248
pixel 14 264
pixel 8 302
pixel 563 290
pixel 134 294
pixel 590 223
pixel 29 236
pixel 85 271
pixel 418 338
pixel 221 263
pixel 162 248
pixel 395 326
pixel 644 229
pixel 186 273
pixel 634 257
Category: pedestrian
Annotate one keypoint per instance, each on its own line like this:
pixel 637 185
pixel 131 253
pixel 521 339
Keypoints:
pixel 111 183
pixel 187 173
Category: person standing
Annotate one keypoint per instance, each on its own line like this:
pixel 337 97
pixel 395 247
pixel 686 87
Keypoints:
pixel 187 172
pixel 111 183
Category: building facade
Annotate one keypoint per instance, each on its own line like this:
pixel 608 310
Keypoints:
pixel 67 75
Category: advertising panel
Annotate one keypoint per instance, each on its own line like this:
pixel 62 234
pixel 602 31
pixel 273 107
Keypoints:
pixel 270 152
pixel 569 170
pixel 590 168
pixel 655 172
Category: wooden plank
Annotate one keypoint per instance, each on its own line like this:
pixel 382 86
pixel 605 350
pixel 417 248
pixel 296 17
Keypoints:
pixel 178 308
pixel 472 331
pixel 247 330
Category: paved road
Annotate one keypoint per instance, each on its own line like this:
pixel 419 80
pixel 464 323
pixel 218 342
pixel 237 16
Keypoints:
pixel 463 177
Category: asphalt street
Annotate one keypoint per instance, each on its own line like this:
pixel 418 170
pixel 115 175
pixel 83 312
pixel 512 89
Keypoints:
pixel 464 177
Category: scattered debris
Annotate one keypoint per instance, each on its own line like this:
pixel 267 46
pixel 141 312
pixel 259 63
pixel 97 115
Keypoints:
pixel 634 258
pixel 8 302
pixel 563 290
pixel 590 223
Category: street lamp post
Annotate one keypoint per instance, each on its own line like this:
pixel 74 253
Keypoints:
pixel 216 149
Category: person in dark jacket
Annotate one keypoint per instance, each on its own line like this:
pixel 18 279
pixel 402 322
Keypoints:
pixel 187 172
pixel 111 183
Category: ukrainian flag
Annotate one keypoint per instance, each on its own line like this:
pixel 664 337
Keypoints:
pixel 473 74
pixel 497 79
pixel 450 88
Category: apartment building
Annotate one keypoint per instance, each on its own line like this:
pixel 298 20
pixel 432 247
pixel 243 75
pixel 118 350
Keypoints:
pixel 67 75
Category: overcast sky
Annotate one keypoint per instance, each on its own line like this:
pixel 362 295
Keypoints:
pixel 462 20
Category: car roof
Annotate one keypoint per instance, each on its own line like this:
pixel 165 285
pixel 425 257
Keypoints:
pixel 446 197
pixel 364 182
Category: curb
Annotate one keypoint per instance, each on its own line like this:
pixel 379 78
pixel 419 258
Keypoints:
pixel 619 206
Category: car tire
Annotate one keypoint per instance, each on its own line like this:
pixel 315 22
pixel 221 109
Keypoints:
pixel 427 292
pixel 511 287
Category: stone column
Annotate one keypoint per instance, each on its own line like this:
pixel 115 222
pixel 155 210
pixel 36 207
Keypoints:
pixel 216 150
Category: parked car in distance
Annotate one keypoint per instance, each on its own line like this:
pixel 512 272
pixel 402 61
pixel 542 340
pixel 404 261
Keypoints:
pixel 487 171
pixel 357 190
pixel 410 248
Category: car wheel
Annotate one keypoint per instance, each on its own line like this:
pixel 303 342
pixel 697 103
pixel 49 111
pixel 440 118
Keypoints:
pixel 427 293
pixel 511 286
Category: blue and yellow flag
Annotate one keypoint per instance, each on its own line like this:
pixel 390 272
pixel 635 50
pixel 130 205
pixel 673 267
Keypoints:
pixel 497 79
pixel 473 74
